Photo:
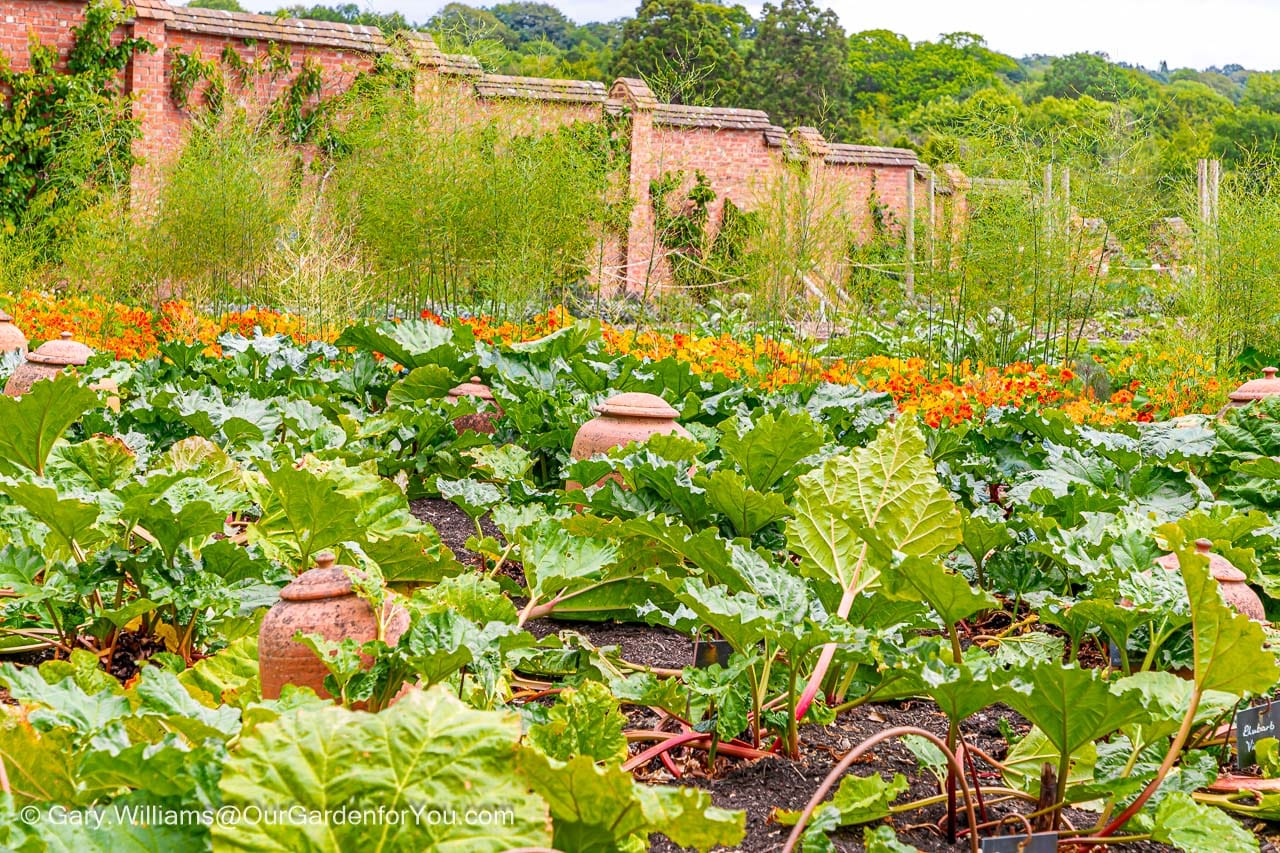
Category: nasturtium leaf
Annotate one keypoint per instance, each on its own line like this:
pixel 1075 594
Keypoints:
pixel 584 721
pixel 428 751
pixel 1199 828
pixel 34 422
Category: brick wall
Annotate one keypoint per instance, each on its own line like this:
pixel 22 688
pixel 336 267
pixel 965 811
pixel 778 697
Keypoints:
pixel 742 154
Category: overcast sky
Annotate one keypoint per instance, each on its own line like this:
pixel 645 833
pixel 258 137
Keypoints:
pixel 1196 33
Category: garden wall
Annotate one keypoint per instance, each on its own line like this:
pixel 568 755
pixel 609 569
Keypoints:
pixel 264 60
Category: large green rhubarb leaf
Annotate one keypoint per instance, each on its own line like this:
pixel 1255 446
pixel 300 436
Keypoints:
pixel 768 451
pixel 37 419
pixel 601 809
pixel 888 487
pixel 1230 648
pixel 1072 706
pixel 428 752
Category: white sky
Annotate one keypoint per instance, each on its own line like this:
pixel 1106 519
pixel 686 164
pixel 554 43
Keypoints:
pixel 1196 33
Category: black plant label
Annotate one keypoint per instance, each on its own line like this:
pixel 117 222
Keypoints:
pixel 1252 725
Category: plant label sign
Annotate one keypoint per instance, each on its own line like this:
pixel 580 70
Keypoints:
pixel 1040 842
pixel 1252 725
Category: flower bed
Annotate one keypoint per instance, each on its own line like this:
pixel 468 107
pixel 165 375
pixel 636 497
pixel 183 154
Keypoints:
pixel 947 395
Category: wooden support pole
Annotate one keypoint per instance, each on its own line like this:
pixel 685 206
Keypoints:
pixel 910 234
pixel 933 213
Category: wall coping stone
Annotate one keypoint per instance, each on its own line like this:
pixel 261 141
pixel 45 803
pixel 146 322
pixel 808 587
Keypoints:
pixel 541 89
pixel 716 118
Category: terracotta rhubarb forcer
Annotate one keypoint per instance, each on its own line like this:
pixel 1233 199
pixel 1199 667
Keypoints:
pixel 11 337
pixel 1235 590
pixel 319 601
pixel 1267 385
pixel 47 361
pixel 482 422
pixel 622 419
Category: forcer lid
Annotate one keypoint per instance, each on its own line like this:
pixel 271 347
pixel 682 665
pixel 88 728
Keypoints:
pixel 637 404
pixel 474 388
pixel 326 580
pixel 1266 385
pixel 64 352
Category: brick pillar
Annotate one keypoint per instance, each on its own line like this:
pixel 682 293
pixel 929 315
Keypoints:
pixel 642 255
pixel 145 82
pixel 427 61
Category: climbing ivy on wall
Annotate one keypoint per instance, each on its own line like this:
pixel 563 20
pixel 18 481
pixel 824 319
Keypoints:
pixel 293 112
pixel 698 260
pixel 63 130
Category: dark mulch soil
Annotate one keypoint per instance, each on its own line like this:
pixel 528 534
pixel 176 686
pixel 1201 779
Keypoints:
pixel 640 644
pixel 453 525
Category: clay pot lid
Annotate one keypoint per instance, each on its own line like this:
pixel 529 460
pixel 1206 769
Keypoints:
pixel 637 404
pixel 326 580
pixel 1219 566
pixel 1266 385
pixel 5 316
pixel 473 388
pixel 63 352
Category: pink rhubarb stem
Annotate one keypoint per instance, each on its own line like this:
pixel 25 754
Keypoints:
pixel 824 661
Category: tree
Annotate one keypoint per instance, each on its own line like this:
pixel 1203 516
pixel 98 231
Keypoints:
pixel 1094 75
pixel 221 5
pixel 1262 90
pixel 459 23
pixel 890 75
pixel 798 69
pixel 537 22
pixel 687 55
pixel 1247 137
